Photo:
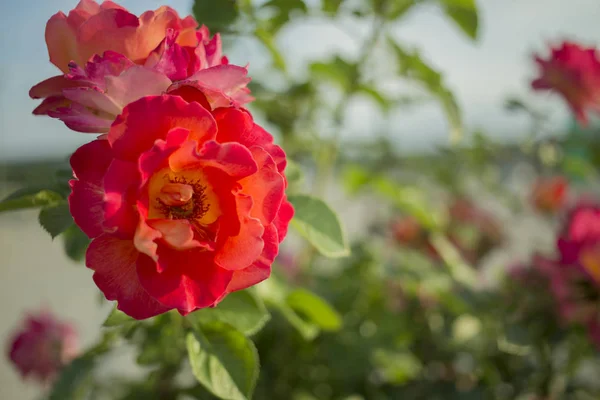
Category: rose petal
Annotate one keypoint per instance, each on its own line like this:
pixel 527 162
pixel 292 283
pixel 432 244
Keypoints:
pixel 186 280
pixel 239 240
pixel 116 276
pixel 265 187
pixel 150 118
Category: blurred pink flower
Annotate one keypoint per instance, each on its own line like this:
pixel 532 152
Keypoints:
pixel 111 58
pixel 43 346
pixel 574 72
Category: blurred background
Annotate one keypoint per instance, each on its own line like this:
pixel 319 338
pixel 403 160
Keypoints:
pixel 407 152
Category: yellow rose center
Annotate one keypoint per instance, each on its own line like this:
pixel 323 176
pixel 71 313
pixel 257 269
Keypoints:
pixel 183 195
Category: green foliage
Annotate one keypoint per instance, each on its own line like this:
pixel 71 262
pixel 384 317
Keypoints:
pixel 315 309
pixel 331 6
pixel 337 71
pixel 464 14
pixel 117 318
pixel 74 381
pixel 56 218
pixel 223 360
pixel 217 15
pixel 282 10
pixel 242 309
pixel 75 243
pixel 267 39
pixel 30 198
pixel 316 222
pixel 412 66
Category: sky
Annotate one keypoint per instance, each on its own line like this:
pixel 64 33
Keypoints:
pixel 481 74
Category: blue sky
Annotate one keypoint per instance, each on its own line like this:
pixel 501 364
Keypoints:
pixel 481 74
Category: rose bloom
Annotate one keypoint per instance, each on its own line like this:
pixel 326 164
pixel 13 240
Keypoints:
pixel 549 194
pixel 574 276
pixel 42 346
pixel 574 72
pixel 109 58
pixel 184 206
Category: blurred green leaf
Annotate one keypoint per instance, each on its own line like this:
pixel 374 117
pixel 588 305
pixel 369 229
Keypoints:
pixel 319 225
pixel 75 243
pixel 412 66
pixel 216 15
pixel 283 9
pixel 398 8
pixel 331 6
pixel 242 310
pixel 464 14
pixel 375 95
pixel 411 200
pixel 56 218
pixel 355 177
pixel 338 71
pixel 266 38
pixel 74 380
pixel 396 367
pixel 117 318
pixel 26 198
pixel 223 360
pixel 275 293
pixel 293 173
pixel 315 309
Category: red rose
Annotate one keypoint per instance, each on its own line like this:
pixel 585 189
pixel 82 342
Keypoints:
pixel 43 346
pixel 574 72
pixel 183 206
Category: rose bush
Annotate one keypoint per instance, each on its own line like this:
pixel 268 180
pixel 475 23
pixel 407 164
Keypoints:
pixel 42 346
pixel 184 206
pixel 110 58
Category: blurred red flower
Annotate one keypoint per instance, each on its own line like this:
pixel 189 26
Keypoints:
pixel 572 71
pixel 42 346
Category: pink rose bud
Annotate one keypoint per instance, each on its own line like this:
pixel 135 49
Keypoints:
pixel 43 346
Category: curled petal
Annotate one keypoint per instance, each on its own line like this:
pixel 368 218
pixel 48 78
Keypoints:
pixel 186 280
pixel 239 240
pixel 151 118
pixel 261 268
pixel 233 159
pixel 117 279
pixel 265 187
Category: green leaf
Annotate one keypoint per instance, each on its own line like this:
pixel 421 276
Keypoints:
pixel 331 6
pixel 283 9
pixel 267 40
pixel 338 71
pixel 224 361
pixel 27 198
pixel 315 309
pixel 216 15
pixel 242 310
pixel 56 218
pixel 74 380
pixel 398 8
pixel 413 67
pixel 375 95
pixel 117 318
pixel 464 14
pixel 275 292
pixel 355 178
pixel 319 225
pixel 293 173
pixel 75 243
